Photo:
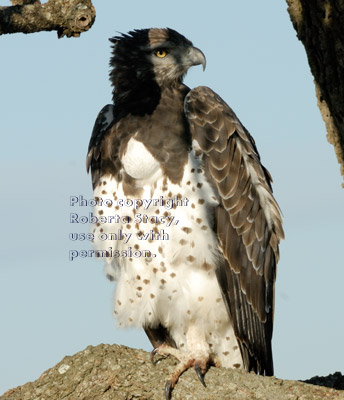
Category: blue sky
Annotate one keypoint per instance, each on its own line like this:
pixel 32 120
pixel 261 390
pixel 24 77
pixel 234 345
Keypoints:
pixel 51 92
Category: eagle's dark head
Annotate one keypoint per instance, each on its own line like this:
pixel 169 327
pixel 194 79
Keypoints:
pixel 145 61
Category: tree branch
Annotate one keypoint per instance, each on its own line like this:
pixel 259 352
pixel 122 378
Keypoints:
pixel 116 372
pixel 67 17
pixel 320 26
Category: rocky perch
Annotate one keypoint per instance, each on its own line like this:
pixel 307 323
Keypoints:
pixel 116 372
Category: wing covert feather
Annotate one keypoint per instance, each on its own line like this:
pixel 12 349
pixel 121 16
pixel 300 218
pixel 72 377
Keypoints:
pixel 248 222
pixel 103 123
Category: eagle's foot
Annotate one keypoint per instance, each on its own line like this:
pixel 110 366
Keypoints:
pixel 153 353
pixel 185 362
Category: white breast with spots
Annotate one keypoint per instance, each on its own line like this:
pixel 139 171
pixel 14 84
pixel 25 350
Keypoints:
pixel 165 271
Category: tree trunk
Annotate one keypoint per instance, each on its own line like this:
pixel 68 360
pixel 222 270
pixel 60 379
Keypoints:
pixel 320 26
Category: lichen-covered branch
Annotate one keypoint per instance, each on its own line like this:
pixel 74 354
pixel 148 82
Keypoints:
pixel 119 373
pixel 320 26
pixel 67 17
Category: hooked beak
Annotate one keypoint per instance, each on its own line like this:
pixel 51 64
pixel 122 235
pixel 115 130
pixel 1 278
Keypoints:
pixel 196 57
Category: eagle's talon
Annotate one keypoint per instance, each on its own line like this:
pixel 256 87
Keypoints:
pixel 154 352
pixel 152 355
pixel 200 374
pixel 168 390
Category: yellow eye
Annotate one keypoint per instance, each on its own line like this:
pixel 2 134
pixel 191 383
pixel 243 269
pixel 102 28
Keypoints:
pixel 161 53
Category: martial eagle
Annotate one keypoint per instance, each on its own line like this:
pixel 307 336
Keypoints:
pixel 202 287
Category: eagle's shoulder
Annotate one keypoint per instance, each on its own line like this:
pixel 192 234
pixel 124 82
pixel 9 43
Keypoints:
pixel 105 119
pixel 110 135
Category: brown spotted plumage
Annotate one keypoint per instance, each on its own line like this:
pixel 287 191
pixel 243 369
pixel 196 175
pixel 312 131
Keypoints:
pixel 203 286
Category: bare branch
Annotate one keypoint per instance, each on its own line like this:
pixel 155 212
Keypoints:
pixel 67 17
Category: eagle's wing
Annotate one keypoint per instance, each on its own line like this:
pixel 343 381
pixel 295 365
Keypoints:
pixel 103 123
pixel 247 222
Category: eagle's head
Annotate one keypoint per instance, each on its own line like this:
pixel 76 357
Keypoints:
pixel 153 58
